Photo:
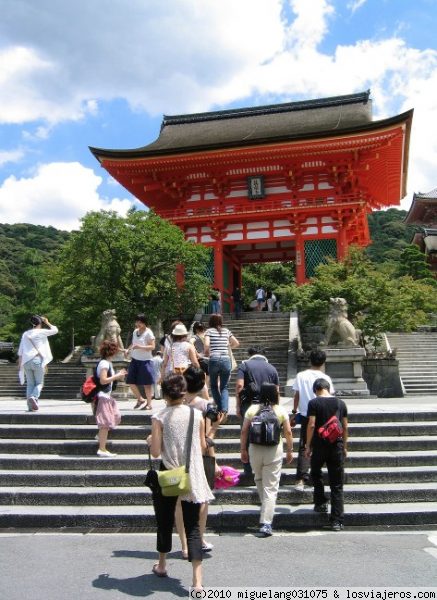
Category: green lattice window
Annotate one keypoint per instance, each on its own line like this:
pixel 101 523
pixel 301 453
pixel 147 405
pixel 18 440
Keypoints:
pixel 209 274
pixel 317 252
pixel 209 266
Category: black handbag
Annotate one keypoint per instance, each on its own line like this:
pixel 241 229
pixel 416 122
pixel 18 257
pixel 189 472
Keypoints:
pixel 151 480
pixel 209 468
pixel 204 364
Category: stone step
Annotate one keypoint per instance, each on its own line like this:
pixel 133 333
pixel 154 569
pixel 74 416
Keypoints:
pixel 142 418
pixel 110 496
pixel 426 372
pixel 135 477
pixel 75 461
pixel 418 388
pixel 224 447
pixel 219 517
pixel 138 432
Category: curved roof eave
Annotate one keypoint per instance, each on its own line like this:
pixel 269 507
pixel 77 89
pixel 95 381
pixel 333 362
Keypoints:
pixel 147 152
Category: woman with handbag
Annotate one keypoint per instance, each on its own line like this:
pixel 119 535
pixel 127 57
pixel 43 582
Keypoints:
pixel 219 342
pixel 195 379
pixel 34 355
pixel 178 436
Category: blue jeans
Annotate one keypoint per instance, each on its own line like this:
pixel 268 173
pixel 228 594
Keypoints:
pixel 34 377
pixel 215 306
pixel 220 369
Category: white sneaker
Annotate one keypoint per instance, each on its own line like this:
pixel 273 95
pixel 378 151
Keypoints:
pixel 105 454
pixel 32 403
pixel 207 547
pixel 300 486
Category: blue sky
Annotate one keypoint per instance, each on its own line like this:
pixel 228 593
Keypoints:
pixel 103 72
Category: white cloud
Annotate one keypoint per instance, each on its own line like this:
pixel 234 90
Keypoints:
pixel 161 56
pixel 355 5
pixel 10 156
pixel 179 56
pixel 310 24
pixel 57 194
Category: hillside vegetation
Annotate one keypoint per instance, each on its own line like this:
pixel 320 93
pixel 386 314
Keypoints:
pixel 27 252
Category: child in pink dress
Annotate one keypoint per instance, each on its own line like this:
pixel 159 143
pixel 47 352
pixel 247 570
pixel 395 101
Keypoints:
pixel 106 409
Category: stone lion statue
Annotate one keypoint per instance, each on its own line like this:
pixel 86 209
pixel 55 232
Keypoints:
pixel 109 330
pixel 338 327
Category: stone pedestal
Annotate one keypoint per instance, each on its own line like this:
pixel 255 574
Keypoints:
pixel 345 367
pixel 382 377
pixel 118 362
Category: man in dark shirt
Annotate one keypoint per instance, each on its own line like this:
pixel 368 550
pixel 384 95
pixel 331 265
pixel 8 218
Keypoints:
pixel 251 374
pixel 258 370
pixel 236 297
pixel 321 451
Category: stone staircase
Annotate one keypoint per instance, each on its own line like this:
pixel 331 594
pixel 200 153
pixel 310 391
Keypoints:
pixel 50 475
pixel 62 381
pixel 270 330
pixel 417 355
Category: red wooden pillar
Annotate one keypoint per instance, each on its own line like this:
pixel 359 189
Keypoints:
pixel 300 258
pixel 341 238
pixel 218 266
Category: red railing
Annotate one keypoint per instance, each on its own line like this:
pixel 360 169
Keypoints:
pixel 231 209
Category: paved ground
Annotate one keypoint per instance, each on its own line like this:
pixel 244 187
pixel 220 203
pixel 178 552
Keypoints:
pixel 11 404
pixel 68 566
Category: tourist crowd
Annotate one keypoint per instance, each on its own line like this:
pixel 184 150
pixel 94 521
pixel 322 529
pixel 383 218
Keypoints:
pixel 185 369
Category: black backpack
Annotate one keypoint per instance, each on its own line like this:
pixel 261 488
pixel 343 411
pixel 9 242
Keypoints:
pixel 265 429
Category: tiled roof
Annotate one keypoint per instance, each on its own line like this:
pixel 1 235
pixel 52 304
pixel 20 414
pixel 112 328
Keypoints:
pixel 429 195
pixel 246 126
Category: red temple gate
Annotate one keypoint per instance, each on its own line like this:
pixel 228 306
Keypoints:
pixel 286 182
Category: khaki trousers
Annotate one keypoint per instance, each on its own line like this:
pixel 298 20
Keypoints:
pixel 266 463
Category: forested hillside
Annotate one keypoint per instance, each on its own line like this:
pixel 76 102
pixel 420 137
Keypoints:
pixel 390 235
pixel 26 251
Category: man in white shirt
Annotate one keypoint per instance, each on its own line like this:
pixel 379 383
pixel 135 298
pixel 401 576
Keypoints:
pixel 34 355
pixel 141 370
pixel 303 393
pixel 260 296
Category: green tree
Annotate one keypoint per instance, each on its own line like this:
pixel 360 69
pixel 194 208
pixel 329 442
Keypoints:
pixel 378 300
pixel 129 264
pixel 413 262
pixel 275 276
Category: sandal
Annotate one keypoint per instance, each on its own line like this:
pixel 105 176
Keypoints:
pixel 139 403
pixel 146 407
pixel 158 573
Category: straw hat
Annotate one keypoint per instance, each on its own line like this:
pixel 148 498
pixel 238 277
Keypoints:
pixel 180 329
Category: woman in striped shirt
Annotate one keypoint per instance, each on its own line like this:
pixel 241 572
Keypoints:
pixel 218 341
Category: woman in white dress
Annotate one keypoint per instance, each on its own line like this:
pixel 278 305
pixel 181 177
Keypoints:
pixel 179 354
pixel 168 440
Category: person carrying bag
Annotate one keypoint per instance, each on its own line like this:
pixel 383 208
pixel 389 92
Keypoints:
pixel 176 482
pixel 179 445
